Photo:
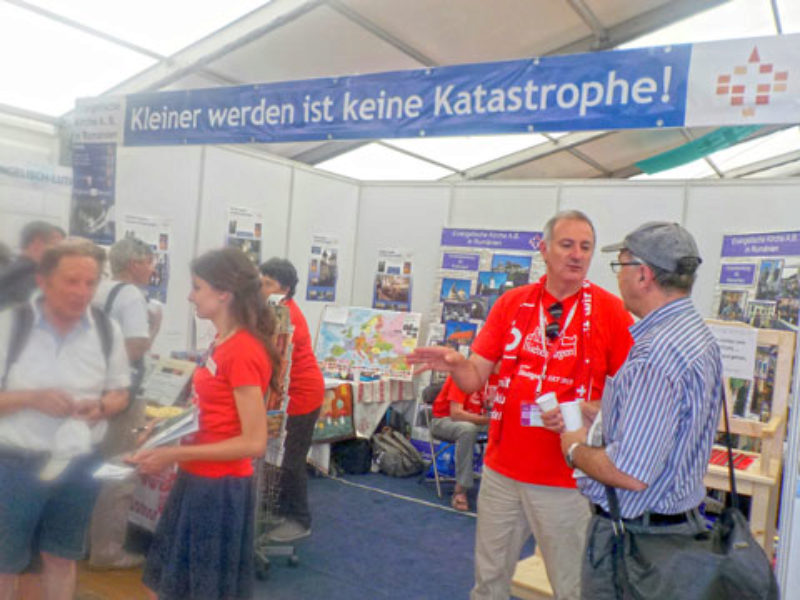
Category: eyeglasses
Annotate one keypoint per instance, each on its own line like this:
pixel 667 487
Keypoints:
pixel 553 329
pixel 616 266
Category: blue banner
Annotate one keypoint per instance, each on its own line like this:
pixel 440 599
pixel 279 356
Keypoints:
pixel 623 89
pixel 492 239
pixel 780 243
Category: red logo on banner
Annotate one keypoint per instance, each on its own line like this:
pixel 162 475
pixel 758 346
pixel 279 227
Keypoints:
pixel 752 84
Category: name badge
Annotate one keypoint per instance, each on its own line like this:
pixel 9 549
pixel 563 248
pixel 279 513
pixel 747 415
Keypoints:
pixel 211 366
pixel 530 415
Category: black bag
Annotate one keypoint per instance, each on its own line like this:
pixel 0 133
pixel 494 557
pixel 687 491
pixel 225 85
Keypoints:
pixel 720 564
pixel 352 456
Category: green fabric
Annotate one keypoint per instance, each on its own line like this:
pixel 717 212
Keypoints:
pixel 724 137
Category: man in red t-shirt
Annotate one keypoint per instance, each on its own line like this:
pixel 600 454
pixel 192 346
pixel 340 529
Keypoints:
pixel 561 334
pixel 459 417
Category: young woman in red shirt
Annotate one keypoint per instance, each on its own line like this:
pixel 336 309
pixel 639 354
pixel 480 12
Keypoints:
pixel 203 545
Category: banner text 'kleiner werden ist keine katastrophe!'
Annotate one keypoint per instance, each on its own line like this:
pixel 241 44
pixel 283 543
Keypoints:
pixel 604 90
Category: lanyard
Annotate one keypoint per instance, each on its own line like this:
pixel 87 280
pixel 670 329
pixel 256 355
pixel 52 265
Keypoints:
pixel 551 351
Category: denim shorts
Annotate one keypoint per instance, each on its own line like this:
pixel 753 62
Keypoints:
pixel 48 516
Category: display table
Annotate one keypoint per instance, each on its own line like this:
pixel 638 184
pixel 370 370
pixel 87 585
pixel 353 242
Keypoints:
pixel 530 579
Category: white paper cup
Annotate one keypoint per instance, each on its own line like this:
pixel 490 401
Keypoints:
pixel 571 412
pixel 547 402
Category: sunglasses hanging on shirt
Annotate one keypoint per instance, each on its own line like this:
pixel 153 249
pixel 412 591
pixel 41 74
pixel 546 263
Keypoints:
pixel 553 329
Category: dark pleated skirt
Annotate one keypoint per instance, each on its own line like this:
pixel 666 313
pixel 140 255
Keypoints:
pixel 203 545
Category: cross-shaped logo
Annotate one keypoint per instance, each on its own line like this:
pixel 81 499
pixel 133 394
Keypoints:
pixel 581 391
pixel 752 84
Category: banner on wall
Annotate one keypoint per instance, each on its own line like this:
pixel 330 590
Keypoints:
pixel 244 231
pixel 322 268
pixel 759 280
pixel 392 290
pixel 477 267
pixel 732 82
pixel 93 192
pixel 156 233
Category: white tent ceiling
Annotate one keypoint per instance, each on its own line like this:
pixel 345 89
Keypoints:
pixel 65 50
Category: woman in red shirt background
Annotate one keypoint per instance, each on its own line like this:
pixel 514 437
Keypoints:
pixel 203 545
pixel 306 390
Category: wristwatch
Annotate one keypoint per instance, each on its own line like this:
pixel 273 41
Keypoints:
pixel 570 452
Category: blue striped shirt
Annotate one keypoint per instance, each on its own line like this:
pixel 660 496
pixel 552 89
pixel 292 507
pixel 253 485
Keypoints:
pixel 660 412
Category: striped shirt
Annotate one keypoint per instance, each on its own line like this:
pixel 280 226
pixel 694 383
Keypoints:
pixel 660 412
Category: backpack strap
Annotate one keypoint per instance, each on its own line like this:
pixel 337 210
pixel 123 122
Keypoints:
pixel 21 327
pixel 104 330
pixel 112 295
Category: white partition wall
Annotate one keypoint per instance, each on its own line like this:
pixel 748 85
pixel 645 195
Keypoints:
pixel 402 216
pixel 617 208
pixel 165 182
pixel 322 204
pixel 494 205
pixel 233 177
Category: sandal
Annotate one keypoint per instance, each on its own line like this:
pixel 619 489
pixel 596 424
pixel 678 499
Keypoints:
pixel 459 502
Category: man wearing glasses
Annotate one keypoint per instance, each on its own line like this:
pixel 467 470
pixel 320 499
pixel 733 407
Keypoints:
pixel 660 412
pixel 561 334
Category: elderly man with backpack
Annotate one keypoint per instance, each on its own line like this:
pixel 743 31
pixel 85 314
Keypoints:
pixel 64 373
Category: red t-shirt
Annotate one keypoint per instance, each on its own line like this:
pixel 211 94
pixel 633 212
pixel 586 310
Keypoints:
pixel 238 362
pixel 306 385
pixel 533 454
pixel 450 392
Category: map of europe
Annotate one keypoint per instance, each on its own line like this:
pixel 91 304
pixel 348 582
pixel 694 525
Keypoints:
pixel 368 341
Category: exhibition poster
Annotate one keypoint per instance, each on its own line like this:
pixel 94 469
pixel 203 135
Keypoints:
pixel 93 192
pixel 759 280
pixel 738 346
pixel 364 343
pixel 322 268
pixel 477 266
pixel 156 233
pixel 759 284
pixel 245 226
pixel 392 289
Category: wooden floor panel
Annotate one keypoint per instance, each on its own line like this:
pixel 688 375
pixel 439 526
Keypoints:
pixel 112 584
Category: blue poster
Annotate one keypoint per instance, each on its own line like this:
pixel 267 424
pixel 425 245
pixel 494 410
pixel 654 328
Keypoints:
pixel 93 192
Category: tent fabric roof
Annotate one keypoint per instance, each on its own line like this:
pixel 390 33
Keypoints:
pixel 66 50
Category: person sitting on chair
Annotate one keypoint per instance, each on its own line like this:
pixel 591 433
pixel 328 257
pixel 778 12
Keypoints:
pixel 459 417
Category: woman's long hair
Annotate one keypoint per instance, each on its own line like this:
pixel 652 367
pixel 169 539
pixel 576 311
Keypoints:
pixel 229 270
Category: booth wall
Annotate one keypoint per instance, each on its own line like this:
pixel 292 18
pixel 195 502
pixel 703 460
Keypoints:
pixel 165 182
pixel 618 208
pixel 324 205
pixel 714 209
pixel 400 216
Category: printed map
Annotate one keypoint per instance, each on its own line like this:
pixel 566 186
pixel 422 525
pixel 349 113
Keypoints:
pixel 372 342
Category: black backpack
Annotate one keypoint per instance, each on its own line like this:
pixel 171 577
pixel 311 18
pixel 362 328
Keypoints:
pixel 395 455
pixel 22 325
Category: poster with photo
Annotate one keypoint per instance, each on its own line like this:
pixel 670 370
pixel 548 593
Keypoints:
pixel 455 290
pixel 392 289
pixel 769 279
pixel 322 269
pixel 759 280
pixel 244 231
pixel 156 232
pixel 459 334
pixel 335 421
pixel 477 266
pixel 732 305
pixel 516 267
pixel 93 192
pixel 492 283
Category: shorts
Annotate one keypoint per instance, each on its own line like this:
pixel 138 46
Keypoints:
pixel 49 516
